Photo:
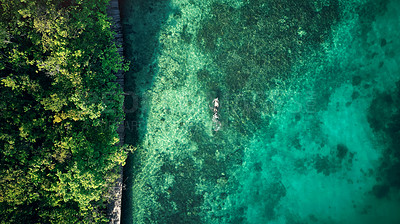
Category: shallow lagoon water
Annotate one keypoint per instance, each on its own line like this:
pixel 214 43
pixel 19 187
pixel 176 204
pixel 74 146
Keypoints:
pixel 309 96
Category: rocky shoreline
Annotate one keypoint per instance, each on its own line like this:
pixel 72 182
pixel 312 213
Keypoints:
pixel 114 204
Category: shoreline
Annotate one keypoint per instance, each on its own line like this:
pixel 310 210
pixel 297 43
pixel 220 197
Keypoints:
pixel 114 205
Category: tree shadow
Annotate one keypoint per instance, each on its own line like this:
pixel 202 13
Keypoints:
pixel 141 22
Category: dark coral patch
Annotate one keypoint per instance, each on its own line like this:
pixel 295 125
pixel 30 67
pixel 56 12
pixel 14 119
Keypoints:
pixel 342 151
pixel 256 44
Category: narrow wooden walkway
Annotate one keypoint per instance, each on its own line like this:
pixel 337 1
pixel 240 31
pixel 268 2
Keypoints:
pixel 114 205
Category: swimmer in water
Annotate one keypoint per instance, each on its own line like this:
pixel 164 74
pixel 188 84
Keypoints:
pixel 215 118
pixel 215 102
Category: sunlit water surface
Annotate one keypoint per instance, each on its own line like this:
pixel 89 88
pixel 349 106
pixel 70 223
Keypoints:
pixel 309 114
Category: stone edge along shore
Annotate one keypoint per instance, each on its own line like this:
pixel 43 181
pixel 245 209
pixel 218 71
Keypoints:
pixel 115 201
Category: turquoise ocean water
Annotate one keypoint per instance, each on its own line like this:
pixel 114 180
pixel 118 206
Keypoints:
pixel 308 123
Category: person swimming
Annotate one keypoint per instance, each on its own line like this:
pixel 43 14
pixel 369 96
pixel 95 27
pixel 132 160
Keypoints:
pixel 215 102
pixel 215 118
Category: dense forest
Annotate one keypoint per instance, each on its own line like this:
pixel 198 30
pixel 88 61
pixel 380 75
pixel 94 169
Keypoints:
pixel 59 111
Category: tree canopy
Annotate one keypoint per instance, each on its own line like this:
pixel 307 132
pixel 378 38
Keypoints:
pixel 59 111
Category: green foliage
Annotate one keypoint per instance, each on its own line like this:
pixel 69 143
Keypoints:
pixel 59 111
